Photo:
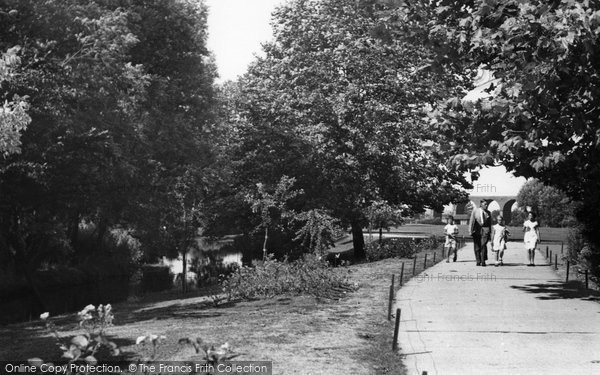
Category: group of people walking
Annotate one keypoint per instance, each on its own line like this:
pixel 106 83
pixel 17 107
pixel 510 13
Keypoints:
pixel 484 233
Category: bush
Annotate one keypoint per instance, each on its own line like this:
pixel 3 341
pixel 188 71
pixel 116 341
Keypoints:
pixel 399 247
pixel 156 278
pixel 309 275
pixel 432 221
pixel 211 269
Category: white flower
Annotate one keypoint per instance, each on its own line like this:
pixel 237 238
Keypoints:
pixel 44 316
pixel 140 340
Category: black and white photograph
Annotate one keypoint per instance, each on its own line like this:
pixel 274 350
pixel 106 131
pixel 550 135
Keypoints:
pixel 300 187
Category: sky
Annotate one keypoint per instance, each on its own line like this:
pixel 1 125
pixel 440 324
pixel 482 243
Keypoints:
pixel 238 27
pixel 496 181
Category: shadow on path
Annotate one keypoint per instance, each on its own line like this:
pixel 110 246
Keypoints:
pixel 559 290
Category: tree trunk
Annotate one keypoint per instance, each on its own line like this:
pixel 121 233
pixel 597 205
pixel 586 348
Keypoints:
pixel 184 273
pixel 18 246
pixel 74 231
pixel 265 243
pixel 358 240
pixel 102 228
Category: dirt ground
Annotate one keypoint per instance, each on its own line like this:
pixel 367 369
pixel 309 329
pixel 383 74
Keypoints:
pixel 300 334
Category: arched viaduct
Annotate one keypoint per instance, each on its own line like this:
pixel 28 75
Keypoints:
pixel 505 204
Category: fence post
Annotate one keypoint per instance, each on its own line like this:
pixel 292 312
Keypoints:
pixel 586 280
pixel 550 258
pixel 425 262
pixel 391 299
pixel 396 329
pixel 435 252
pixel 546 252
pixel 562 245
pixel 414 264
pixel 567 272
pixel 556 262
pixel 402 274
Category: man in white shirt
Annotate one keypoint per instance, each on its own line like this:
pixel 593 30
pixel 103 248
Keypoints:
pixel 480 225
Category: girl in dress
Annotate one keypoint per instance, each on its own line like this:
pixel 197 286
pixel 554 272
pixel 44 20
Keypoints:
pixel 499 237
pixel 531 237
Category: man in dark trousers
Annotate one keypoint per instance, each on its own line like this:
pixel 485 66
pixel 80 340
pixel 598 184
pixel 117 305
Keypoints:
pixel 480 226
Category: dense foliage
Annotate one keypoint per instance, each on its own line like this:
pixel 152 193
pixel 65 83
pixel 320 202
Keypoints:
pixel 269 278
pixel 553 207
pixel 337 103
pixel 109 104
pixel 540 119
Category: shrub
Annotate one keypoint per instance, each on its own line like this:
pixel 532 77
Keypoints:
pixel 156 278
pixel 399 247
pixel 210 268
pixel 309 275
pixel 432 221
pixel 85 348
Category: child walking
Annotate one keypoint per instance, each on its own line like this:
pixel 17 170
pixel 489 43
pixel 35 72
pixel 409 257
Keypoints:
pixel 499 237
pixel 531 237
pixel 451 231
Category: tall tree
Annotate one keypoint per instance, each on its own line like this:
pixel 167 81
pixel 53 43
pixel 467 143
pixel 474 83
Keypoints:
pixel 177 115
pixel 81 87
pixel 336 103
pixel 120 96
pixel 553 206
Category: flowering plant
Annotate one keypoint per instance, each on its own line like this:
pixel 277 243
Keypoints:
pixel 83 347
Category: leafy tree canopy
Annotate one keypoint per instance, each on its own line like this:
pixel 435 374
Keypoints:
pixel 541 120
pixel 337 103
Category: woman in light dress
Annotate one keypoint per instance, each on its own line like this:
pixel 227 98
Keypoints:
pixel 531 237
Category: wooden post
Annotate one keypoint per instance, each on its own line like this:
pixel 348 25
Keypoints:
pixel 567 280
pixel 391 299
pixel 546 252
pixel 414 265
pixel 396 329
pixel 586 280
pixel 435 252
pixel 425 262
pixel 402 274
pixel 562 245
pixel 550 258
pixel 556 262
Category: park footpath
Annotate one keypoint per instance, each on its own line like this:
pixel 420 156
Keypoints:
pixel 458 318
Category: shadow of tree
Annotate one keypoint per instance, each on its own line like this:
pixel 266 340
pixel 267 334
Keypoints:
pixel 205 309
pixel 559 290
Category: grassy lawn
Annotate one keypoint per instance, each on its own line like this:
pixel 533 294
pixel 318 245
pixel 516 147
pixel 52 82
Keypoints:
pixel 547 234
pixel 300 334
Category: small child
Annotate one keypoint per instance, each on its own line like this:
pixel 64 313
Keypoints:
pixel 499 237
pixel 451 231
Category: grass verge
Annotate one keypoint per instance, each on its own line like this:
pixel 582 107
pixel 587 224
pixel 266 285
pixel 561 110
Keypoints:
pixel 300 334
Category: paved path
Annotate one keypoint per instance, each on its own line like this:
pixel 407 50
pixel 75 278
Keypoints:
pixel 458 318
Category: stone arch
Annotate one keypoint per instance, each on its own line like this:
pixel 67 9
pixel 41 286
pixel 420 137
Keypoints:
pixel 495 209
pixel 507 211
